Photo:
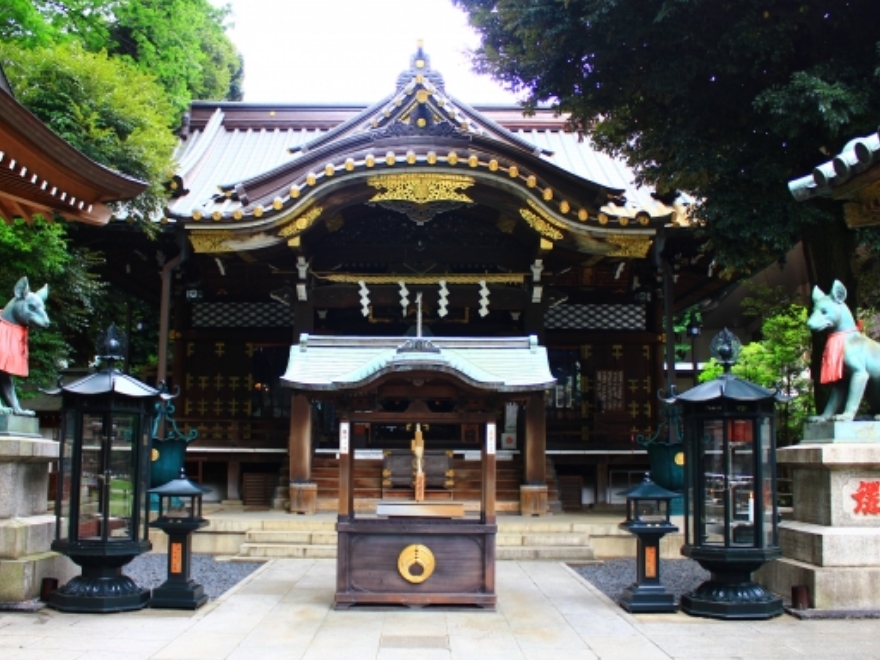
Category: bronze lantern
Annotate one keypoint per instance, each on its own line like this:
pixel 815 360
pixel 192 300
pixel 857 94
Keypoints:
pixel 104 467
pixel 731 517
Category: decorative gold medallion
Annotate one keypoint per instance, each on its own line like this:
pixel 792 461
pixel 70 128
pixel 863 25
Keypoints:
pixel 154 455
pixel 679 458
pixel 419 557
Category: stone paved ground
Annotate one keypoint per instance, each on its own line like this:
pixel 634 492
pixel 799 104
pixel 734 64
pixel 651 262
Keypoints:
pixel 545 611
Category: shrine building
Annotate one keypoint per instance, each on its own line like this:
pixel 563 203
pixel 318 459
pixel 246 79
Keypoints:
pixel 288 224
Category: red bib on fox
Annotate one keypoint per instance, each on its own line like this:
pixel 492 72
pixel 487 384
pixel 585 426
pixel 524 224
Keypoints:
pixel 13 348
pixel 832 358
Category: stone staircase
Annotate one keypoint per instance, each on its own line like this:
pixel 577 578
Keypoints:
pixel 570 539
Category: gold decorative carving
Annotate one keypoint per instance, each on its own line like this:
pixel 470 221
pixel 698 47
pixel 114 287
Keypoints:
pixel 412 556
pixel 540 225
pixel 210 241
pixel 629 246
pixel 421 188
pixel 301 222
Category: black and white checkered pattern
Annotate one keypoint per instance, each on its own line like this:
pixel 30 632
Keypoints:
pixel 241 315
pixel 596 317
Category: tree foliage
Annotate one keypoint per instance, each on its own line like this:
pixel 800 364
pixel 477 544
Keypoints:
pixel 780 360
pixel 724 100
pixel 182 43
pixel 105 108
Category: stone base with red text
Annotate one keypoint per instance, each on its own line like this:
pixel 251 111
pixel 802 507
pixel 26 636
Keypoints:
pixel 832 543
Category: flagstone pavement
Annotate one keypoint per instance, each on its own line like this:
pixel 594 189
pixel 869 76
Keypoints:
pixel 545 610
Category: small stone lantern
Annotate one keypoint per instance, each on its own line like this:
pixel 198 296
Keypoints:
pixel 103 475
pixel 180 514
pixel 647 517
pixel 731 517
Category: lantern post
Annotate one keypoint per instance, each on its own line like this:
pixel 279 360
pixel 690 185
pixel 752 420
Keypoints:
pixel 104 466
pixel 731 517
pixel 647 517
pixel 180 514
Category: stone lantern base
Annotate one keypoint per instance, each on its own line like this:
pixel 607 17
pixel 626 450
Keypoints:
pixel 26 527
pixel 832 544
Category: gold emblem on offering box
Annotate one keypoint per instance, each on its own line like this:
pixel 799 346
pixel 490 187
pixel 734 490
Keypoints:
pixel 416 563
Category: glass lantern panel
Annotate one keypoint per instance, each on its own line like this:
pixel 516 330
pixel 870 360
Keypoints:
pixel 768 503
pixel 92 500
pixel 650 511
pixel 64 483
pixel 741 434
pixel 711 524
pixel 122 502
pixel 179 507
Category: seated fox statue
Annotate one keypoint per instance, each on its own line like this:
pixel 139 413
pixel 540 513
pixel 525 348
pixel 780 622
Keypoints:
pixel 26 309
pixel 851 361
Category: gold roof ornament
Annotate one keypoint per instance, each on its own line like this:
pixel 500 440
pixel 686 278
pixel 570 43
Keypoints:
pixel 421 188
pixel 205 242
pixel 301 222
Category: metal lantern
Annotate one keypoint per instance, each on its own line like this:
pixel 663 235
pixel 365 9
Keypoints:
pixel 103 474
pixel 731 523
pixel 647 517
pixel 180 514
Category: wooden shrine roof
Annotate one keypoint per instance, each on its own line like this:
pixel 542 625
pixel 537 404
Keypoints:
pixel 852 176
pixel 42 174
pixel 255 175
pixel 333 363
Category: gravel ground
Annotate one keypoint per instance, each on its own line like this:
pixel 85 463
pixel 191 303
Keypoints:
pixel 151 570
pixel 611 577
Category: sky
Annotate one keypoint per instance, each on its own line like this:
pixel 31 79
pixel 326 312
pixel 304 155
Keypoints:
pixel 351 51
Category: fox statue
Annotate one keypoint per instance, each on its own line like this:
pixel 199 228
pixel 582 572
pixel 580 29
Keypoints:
pixel 851 361
pixel 26 309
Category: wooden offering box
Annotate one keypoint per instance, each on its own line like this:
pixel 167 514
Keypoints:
pixel 417 553
pixel 416 562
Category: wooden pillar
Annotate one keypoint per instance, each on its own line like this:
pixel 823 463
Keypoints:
pixel 535 446
pixel 533 493
pixel 303 494
pixel 300 446
pixel 602 482
pixel 233 476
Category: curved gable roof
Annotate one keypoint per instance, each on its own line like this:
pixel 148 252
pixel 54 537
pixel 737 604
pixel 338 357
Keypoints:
pixel 245 184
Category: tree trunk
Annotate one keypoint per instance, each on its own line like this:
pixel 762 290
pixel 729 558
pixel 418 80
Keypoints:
pixel 829 251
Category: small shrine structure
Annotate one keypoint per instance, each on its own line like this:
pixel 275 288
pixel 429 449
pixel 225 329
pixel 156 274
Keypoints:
pixel 418 550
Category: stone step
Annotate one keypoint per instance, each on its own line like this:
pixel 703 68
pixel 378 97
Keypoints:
pixel 286 550
pixel 552 553
pixel 553 539
pixel 287 537
pixel 325 551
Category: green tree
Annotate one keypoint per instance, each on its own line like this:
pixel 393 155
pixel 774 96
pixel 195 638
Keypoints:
pixel 780 360
pixel 724 100
pixel 103 107
pixel 182 43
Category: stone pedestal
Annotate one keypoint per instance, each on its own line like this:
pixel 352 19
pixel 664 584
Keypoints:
pixel 26 527
pixel 832 543
pixel 533 500
pixel 304 498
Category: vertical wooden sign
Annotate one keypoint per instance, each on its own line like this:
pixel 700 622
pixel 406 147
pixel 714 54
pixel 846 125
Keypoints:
pixel 651 562
pixel 490 438
pixel 176 558
pixel 344 434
